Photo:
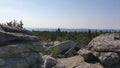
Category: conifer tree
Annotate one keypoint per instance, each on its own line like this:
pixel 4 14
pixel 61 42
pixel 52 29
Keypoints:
pixel 21 24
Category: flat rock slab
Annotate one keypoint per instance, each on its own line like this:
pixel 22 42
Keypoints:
pixel 14 37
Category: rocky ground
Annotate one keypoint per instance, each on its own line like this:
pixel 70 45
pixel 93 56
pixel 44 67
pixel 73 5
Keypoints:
pixel 78 62
pixel 102 52
pixel 19 48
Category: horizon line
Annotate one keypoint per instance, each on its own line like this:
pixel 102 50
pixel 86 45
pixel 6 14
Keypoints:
pixel 71 28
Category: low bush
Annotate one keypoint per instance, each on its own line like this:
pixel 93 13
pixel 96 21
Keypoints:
pixel 55 52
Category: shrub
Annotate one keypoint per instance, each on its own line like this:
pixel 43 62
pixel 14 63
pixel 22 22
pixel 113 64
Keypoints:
pixel 55 51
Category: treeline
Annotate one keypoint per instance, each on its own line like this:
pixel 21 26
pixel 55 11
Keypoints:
pixel 81 37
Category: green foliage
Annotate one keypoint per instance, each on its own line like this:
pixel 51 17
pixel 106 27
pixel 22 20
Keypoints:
pixel 53 36
pixel 14 23
pixel 9 23
pixel 21 24
pixel 55 52
pixel 58 32
pixel 89 34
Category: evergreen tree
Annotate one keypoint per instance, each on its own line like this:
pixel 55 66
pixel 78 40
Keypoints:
pixel 58 32
pixel 9 23
pixel 96 33
pixel 14 23
pixel 21 24
pixel 101 31
pixel 89 34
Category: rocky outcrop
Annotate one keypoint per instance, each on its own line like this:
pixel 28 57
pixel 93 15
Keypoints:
pixel 19 48
pixel 102 52
pixel 23 51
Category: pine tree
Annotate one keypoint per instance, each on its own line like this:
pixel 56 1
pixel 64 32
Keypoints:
pixel 89 34
pixel 9 23
pixel 21 24
pixel 58 32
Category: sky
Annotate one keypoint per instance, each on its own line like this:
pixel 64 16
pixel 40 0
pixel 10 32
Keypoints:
pixel 93 14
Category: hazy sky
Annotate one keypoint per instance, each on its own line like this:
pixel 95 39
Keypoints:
pixel 100 14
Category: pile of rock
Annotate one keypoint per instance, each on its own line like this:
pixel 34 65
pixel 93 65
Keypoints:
pixel 106 48
pixel 102 52
pixel 19 48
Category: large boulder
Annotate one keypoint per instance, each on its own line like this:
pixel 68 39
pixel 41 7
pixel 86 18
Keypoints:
pixel 106 43
pixel 106 48
pixel 66 45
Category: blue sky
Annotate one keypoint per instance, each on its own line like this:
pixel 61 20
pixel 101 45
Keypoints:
pixel 98 14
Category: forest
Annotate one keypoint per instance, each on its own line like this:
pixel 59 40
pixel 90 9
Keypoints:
pixel 82 38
